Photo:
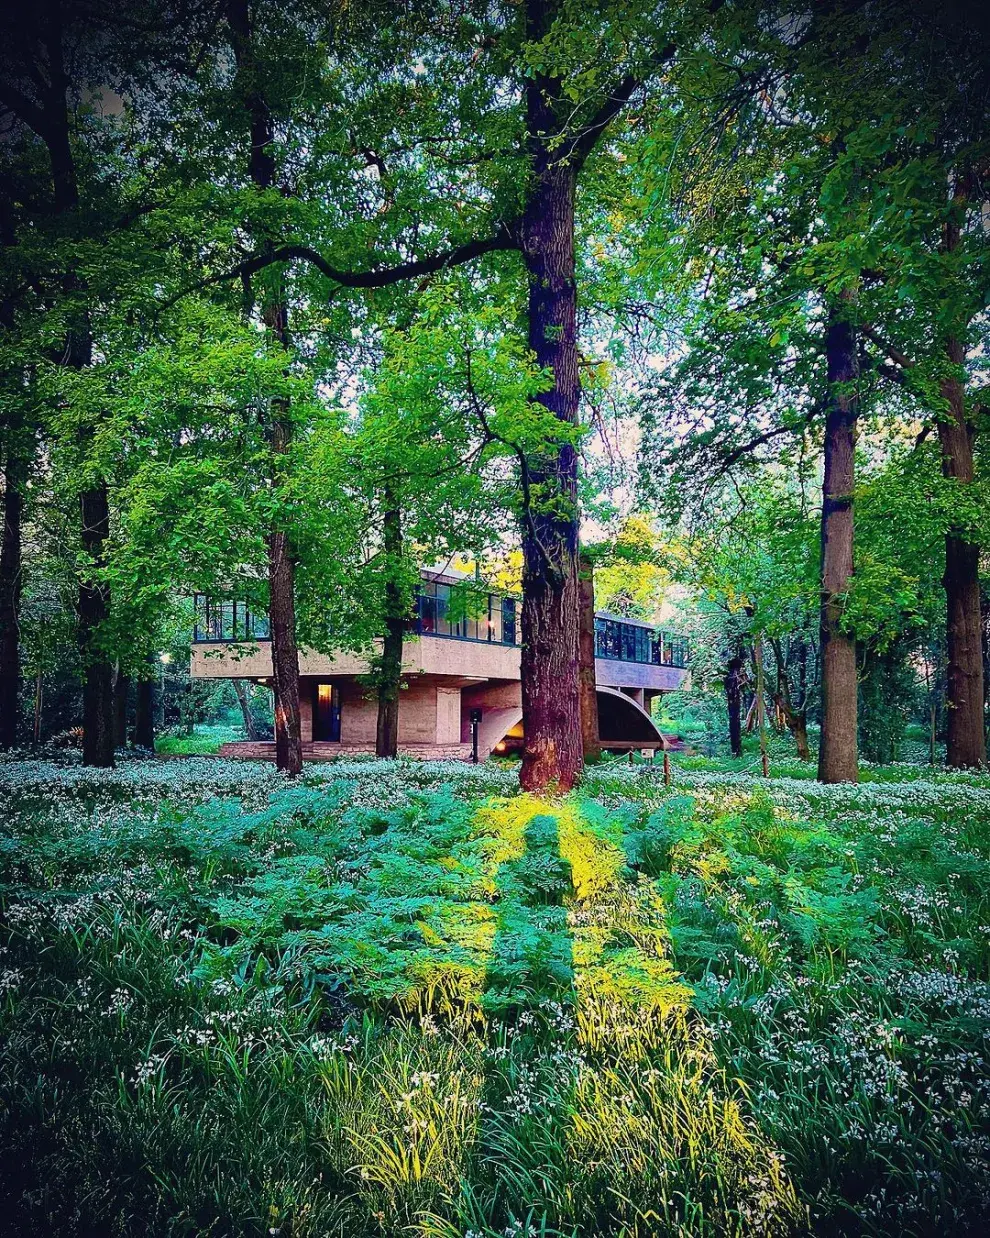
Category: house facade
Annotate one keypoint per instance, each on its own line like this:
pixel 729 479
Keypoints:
pixel 460 666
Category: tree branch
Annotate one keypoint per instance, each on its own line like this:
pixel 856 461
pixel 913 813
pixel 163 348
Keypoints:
pixel 584 143
pixel 744 449
pixel 886 347
pixel 22 107
pixel 505 237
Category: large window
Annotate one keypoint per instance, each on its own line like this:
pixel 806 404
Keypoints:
pixel 464 613
pixel 226 620
pixel 675 651
pixel 629 642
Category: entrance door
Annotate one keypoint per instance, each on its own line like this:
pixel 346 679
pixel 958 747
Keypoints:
pixel 326 713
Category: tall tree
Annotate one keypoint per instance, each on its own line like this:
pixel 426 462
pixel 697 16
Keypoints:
pixel 275 314
pixel 837 753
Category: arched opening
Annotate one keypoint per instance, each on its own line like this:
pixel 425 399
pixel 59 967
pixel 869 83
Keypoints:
pixel 620 719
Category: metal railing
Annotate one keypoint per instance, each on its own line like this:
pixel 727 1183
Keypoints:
pixel 227 621
pixel 458 613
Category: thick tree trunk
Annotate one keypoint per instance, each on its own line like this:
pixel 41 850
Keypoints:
pixel 10 602
pixel 965 738
pixel 985 623
pixel 733 704
pixel 552 754
pixel 587 682
pixel 143 735
pixel 389 670
pixel 121 693
pixel 281 554
pixel 837 755
pixel 250 730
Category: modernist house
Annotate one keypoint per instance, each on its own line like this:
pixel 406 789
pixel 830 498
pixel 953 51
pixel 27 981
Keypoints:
pixel 461 665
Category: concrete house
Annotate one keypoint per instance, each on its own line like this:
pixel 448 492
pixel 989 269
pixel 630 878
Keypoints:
pixel 461 666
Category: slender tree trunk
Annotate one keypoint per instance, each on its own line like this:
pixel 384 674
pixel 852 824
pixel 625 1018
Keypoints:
pixel 38 686
pixel 965 738
pixel 590 739
pixel 285 653
pixel 93 606
pixel 144 713
pixel 10 601
pixel 50 121
pixel 250 730
pixel 552 754
pixel 837 755
pixel 733 703
pixel 795 719
pixel 122 691
pixel 389 669
pixel 281 553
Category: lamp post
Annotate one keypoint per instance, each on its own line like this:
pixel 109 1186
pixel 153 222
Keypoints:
pixel 163 660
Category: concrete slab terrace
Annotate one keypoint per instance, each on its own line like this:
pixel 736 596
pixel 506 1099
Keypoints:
pixel 247 750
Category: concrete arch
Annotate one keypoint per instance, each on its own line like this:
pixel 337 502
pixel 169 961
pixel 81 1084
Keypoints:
pixel 620 718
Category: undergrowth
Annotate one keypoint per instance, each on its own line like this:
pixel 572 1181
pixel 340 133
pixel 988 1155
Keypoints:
pixel 398 998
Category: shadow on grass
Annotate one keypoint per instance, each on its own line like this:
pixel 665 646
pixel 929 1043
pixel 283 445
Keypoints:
pixel 530 999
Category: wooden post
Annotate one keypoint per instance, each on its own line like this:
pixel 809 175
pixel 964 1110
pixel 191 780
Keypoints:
pixel 666 768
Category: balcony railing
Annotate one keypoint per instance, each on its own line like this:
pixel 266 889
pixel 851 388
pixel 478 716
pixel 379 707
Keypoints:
pixel 227 621
pixel 459 613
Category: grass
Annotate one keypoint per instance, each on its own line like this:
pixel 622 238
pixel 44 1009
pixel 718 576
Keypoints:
pixel 400 998
pixel 205 741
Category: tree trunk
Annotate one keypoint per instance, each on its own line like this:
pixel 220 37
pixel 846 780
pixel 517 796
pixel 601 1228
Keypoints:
pixel 733 703
pixel 985 625
pixel 38 687
pixel 274 309
pixel 143 735
pixel 590 739
pixel 99 730
pixel 50 121
pixel 837 755
pixel 965 737
pixel 250 730
pixel 285 654
pixel 552 754
pixel 795 719
pixel 389 669
pixel 121 690
pixel 93 603
pixel 10 601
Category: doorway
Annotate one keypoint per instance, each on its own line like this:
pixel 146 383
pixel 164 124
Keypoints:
pixel 326 713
